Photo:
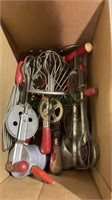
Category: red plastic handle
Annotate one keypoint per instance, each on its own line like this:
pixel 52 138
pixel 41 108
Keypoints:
pixel 89 92
pixel 39 173
pixel 46 141
pixel 19 76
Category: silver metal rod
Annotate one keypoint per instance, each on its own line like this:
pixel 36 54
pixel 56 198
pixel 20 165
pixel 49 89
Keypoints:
pixel 59 67
pixel 46 92
pixel 64 87
pixel 60 64
pixel 63 77
pixel 66 92
pixel 60 72
pixel 54 66
pixel 58 84
pixel 65 81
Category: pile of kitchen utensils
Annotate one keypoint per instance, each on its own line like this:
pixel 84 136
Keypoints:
pixel 46 121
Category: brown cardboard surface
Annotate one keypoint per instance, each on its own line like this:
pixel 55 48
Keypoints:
pixel 50 24
pixel 20 189
pixel 101 77
pixel 7 72
pixel 102 186
pixel 71 185
pixel 47 24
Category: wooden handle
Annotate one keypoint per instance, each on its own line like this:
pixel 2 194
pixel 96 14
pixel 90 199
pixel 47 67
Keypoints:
pixel 89 92
pixel 19 76
pixel 27 141
pixel 82 67
pixel 87 48
pixel 79 52
pixel 39 173
pixel 21 166
pixel 56 161
pixel 69 57
pixel 46 141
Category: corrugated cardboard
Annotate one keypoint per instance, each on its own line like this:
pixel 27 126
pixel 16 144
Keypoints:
pixel 101 77
pixel 49 24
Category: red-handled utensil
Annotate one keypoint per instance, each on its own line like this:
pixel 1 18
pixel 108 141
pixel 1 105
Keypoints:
pixel 18 75
pixel 46 142
pixel 82 67
pixel 56 160
pixel 39 173
pixel 89 92
pixel 21 167
pixel 87 48
pixel 27 141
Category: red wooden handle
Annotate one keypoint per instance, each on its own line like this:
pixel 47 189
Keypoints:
pixel 84 49
pixel 46 141
pixel 82 67
pixel 79 52
pixel 21 167
pixel 27 141
pixel 39 173
pixel 19 76
pixel 90 92
pixel 69 57
pixel 56 161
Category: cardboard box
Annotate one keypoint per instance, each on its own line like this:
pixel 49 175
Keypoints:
pixel 48 24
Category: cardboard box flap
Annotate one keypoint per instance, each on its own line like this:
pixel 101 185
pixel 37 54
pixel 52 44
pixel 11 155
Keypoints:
pixel 47 24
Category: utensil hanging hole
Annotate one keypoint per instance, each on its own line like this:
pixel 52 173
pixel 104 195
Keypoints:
pixel 20 113
pixel 15 123
pixel 30 119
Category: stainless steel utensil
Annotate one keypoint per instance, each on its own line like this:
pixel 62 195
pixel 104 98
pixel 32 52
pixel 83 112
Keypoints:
pixel 55 158
pixel 85 140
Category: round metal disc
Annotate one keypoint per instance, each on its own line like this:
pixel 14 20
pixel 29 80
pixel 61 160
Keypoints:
pixel 13 121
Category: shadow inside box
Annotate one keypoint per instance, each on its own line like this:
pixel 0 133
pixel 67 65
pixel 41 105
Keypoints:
pixel 78 182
